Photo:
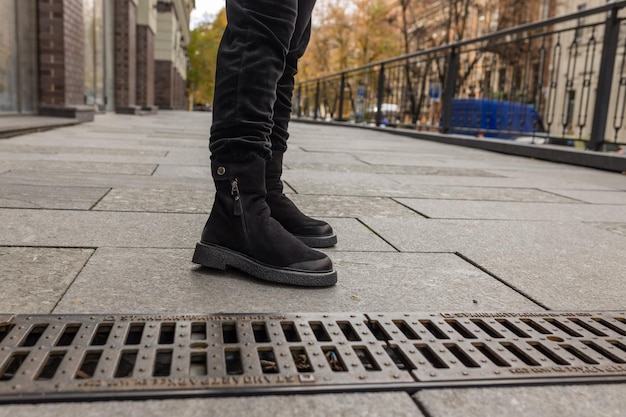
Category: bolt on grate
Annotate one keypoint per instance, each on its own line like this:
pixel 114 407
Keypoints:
pixel 45 357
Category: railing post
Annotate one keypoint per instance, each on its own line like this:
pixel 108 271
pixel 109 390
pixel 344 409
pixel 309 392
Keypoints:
pixel 317 100
pixel 448 91
pixel 381 95
pixel 299 101
pixel 342 86
pixel 605 81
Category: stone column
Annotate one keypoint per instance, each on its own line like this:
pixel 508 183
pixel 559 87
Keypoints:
pixel 61 60
pixel 126 57
pixel 146 29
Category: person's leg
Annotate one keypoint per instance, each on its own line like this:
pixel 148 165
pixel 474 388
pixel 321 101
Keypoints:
pixel 240 232
pixel 314 233
pixel 250 61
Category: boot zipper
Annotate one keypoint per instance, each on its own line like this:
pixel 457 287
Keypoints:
pixel 238 211
pixel 234 191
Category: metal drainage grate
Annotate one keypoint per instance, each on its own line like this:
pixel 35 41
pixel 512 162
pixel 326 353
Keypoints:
pixel 79 357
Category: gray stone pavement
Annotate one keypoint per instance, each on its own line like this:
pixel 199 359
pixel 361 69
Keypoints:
pixel 103 218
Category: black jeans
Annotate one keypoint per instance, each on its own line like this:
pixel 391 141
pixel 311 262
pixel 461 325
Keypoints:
pixel 256 64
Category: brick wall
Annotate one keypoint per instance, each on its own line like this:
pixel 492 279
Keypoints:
pixel 125 53
pixel 145 66
pixel 61 52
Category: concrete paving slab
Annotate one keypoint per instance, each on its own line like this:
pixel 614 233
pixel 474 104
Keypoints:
pixel 330 158
pixel 51 197
pixel 69 228
pixel 34 279
pixel 104 180
pixel 544 183
pixel 157 200
pixel 97 158
pixel 507 210
pixel 619 228
pixel 563 265
pixel 392 169
pixel 165 280
pixel 353 235
pixel 366 405
pixel 605 400
pixel 342 206
pixel 79 166
pixel 81 150
pixel 178 171
pixel 595 197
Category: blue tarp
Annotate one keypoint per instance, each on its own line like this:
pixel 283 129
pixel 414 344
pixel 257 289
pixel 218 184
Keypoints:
pixel 494 118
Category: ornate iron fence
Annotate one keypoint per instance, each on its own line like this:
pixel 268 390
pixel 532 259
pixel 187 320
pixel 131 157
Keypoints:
pixel 559 81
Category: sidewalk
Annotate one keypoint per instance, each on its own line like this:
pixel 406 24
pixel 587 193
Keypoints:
pixel 103 217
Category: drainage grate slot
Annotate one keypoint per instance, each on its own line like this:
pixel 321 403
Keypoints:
pixel 618 345
pixel 50 367
pixel 366 358
pixel 433 329
pixel 260 332
pixel 233 362
pixel 319 331
pixel 198 331
pixel 167 333
pixel 334 360
pixel 17 359
pixel 602 351
pixel 348 331
pixel 162 363
pixel 535 326
pixel 431 356
pixel 301 359
pixel 290 331
pixel 563 327
pixel 68 335
pixel 268 361
pixel 548 353
pixel 487 329
pixel 520 354
pixel 513 328
pixel 229 333
pixel 461 355
pixel 102 335
pixel 406 330
pixel 126 364
pixel 5 329
pixel 491 355
pixel 588 327
pixel 198 365
pixel 577 353
pixel 401 361
pixel 134 334
pixel 377 330
pixel 460 329
pixel 34 335
pixel 89 365
pixel 608 326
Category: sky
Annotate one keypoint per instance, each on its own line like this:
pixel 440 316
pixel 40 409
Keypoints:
pixel 204 9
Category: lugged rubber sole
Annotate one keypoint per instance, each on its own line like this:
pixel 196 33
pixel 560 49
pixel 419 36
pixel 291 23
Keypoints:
pixel 318 241
pixel 217 257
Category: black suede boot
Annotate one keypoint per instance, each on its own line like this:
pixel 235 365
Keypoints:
pixel 241 234
pixel 314 233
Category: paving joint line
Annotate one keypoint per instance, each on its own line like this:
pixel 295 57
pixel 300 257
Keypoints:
pixel 491 274
pixel 377 234
pixel 73 281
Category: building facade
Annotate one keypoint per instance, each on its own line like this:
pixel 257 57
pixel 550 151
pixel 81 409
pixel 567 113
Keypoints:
pixel 75 58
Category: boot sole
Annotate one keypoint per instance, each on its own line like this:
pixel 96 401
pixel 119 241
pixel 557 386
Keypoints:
pixel 318 241
pixel 217 257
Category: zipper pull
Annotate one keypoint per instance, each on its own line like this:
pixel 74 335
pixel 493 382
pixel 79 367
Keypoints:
pixel 234 191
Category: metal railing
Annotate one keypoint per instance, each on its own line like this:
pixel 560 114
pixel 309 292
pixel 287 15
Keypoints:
pixel 559 81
